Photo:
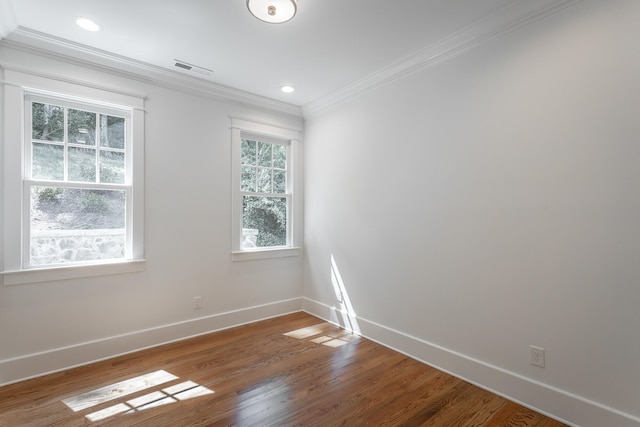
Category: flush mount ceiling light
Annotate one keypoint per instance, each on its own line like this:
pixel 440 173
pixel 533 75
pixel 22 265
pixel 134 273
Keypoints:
pixel 87 24
pixel 287 89
pixel 273 11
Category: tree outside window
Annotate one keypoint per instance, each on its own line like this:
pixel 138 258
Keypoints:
pixel 264 193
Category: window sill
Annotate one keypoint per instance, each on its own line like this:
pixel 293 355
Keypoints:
pixel 38 275
pixel 265 254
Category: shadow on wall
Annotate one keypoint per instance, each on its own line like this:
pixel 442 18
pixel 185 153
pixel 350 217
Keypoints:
pixel 344 313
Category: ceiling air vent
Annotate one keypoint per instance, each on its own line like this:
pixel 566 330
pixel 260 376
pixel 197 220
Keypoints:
pixel 191 67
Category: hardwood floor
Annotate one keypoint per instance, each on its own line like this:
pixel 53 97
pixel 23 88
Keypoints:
pixel 286 371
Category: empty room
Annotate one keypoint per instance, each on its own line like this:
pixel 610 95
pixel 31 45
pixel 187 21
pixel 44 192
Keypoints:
pixel 320 212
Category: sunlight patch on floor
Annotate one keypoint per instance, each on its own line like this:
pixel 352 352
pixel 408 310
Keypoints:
pixel 330 339
pixel 178 392
pixel 335 343
pixel 117 390
pixel 308 331
pixel 108 412
pixel 321 339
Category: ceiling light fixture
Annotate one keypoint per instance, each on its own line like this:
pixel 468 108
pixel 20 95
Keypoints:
pixel 287 89
pixel 273 11
pixel 87 24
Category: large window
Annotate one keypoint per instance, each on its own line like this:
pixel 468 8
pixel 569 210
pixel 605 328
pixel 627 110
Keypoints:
pixel 76 182
pixel 266 213
pixel 73 160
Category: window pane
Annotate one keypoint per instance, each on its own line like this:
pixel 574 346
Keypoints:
pixel 267 215
pixel 111 131
pixel 264 180
pixel 248 179
pixel 47 161
pixel 72 225
pixel 264 154
pixel 82 164
pixel 82 127
pixel 47 122
pixel 111 167
pixel 279 156
pixel 279 181
pixel 248 152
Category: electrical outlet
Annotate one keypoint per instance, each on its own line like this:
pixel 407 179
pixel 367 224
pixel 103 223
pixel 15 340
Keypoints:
pixel 197 303
pixel 537 356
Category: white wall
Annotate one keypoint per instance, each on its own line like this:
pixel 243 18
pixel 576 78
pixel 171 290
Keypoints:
pixel 489 203
pixel 49 326
pixel 473 208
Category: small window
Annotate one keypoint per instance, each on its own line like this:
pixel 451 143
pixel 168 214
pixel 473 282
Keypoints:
pixel 266 213
pixel 265 200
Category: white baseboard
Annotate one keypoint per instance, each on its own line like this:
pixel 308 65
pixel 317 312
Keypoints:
pixel 561 405
pixel 38 364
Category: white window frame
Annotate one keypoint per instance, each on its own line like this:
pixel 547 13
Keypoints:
pixel 244 129
pixel 18 86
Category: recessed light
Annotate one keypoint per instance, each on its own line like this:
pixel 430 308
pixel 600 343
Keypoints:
pixel 287 89
pixel 87 24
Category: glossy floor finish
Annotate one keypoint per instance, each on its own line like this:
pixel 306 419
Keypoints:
pixel 287 371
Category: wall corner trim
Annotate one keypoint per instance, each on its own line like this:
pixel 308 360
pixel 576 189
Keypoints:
pixel 8 21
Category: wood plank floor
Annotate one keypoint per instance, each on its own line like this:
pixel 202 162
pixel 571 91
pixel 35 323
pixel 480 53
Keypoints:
pixel 293 370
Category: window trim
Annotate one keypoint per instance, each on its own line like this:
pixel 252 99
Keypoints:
pixel 267 133
pixel 17 85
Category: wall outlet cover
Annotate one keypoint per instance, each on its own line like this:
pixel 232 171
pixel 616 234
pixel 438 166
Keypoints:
pixel 537 356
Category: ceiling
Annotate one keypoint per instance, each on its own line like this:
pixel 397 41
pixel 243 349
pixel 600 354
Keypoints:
pixel 328 46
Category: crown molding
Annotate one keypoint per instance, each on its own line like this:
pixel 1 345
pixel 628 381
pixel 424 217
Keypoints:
pixel 508 18
pixel 8 21
pixel 35 42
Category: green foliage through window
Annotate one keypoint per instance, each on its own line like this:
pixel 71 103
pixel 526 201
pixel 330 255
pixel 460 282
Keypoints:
pixel 268 215
pixel 264 187
pixel 94 146
pixel 57 208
